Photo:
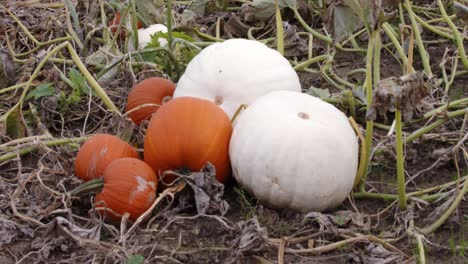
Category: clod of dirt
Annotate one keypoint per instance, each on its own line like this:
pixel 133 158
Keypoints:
pixel 404 92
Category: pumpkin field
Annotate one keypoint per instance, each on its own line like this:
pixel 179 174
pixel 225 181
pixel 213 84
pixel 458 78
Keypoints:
pixel 233 131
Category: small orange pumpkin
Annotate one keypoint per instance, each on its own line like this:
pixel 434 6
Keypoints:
pixel 129 187
pixel 186 133
pixel 114 24
pixel 97 152
pixel 154 90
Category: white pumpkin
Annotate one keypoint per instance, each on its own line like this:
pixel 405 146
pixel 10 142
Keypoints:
pixel 293 150
pixel 144 35
pixel 236 72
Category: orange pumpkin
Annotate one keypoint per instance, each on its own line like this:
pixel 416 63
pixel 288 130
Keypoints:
pixel 129 187
pixel 97 152
pixel 114 24
pixel 154 90
pixel 186 133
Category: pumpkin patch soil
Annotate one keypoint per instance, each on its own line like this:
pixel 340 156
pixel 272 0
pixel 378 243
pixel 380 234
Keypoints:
pixel 41 223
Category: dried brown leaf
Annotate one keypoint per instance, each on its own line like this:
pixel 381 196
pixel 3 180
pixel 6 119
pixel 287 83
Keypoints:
pixel 376 253
pixel 324 221
pixel 293 44
pixel 6 69
pixel 352 220
pixel 252 239
pixel 93 233
pixel 8 229
pixel 208 191
pixel 437 212
pixel 235 28
pixel 405 92
pixel 341 219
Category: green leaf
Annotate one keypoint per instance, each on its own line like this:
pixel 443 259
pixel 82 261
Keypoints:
pixel 155 38
pixel 135 259
pixel 320 93
pixel 79 82
pixel 15 126
pixel 262 10
pixel 345 22
pixel 43 89
pixel 200 7
pixel 183 55
pixel 151 12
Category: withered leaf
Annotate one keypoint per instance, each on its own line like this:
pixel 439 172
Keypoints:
pixel 208 191
pixel 404 92
pixel 324 221
pixel 252 239
pixel 376 253
pixel 91 233
pixel 15 125
pixel 293 44
pixel 6 69
pixel 349 219
pixel 8 229
pixel 234 27
pixel 187 18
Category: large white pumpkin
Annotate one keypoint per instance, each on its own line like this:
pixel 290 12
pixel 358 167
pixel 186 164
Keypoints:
pixel 292 150
pixel 236 72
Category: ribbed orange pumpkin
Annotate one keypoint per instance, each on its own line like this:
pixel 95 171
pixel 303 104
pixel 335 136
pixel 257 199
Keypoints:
pixel 129 187
pixel 154 90
pixel 186 133
pixel 97 152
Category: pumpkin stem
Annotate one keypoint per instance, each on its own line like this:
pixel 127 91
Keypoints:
pixel 241 107
pixel 88 187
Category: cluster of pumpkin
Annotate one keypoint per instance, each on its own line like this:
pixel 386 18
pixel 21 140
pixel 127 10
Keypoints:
pixel 289 149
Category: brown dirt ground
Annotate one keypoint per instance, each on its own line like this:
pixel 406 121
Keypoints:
pixel 39 182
